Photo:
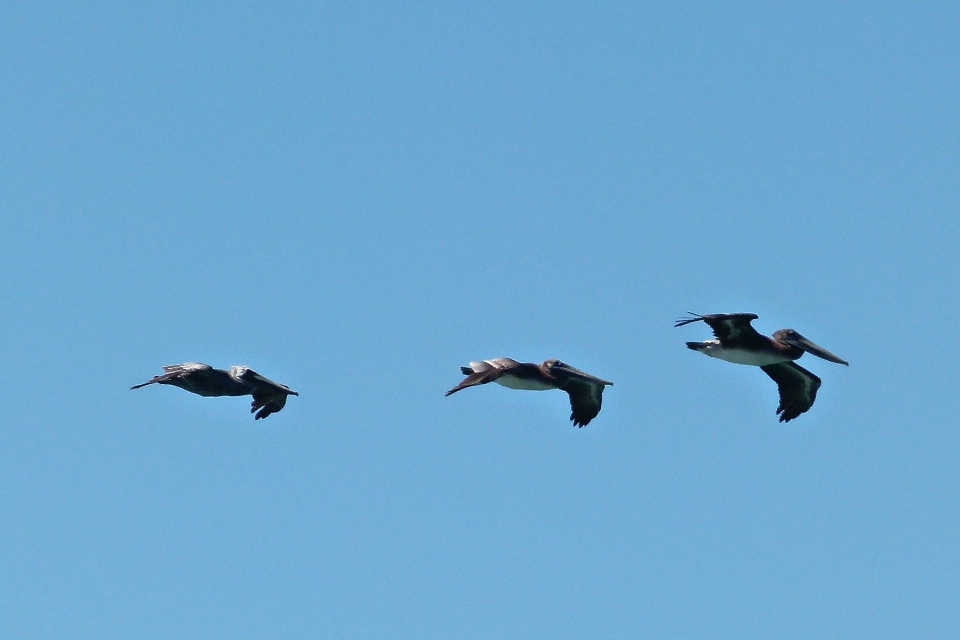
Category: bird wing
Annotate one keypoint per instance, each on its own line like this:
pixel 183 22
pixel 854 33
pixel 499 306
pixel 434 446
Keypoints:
pixel 268 396
pixel 586 398
pixel 185 368
pixel 798 388
pixel 726 326
pixel 585 391
pixel 482 372
pixel 267 400
pixel 174 371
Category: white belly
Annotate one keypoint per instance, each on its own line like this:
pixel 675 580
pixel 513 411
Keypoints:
pixel 512 382
pixel 740 356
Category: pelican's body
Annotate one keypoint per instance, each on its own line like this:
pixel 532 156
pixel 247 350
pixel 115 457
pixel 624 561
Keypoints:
pixel 203 380
pixel 585 390
pixel 738 342
pixel 740 355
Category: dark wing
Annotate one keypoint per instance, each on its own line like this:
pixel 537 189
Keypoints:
pixel 798 388
pixel 477 373
pixel 174 372
pixel 726 326
pixel 586 398
pixel 268 401
pixel 268 396
pixel 585 391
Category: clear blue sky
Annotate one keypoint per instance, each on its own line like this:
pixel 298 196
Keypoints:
pixel 357 199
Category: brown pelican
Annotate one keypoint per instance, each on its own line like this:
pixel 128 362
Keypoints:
pixel 737 341
pixel 585 391
pixel 202 379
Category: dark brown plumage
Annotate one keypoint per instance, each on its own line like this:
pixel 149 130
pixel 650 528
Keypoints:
pixel 738 342
pixel 202 379
pixel 585 390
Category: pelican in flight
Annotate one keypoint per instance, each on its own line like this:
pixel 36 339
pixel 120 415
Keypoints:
pixel 737 341
pixel 585 390
pixel 203 380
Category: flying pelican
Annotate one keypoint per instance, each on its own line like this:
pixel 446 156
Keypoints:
pixel 203 380
pixel 737 341
pixel 585 391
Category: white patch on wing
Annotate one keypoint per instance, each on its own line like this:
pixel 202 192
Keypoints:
pixel 496 363
pixel 741 356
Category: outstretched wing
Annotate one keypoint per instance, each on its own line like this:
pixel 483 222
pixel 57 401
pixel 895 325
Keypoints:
pixel 267 401
pixel 585 391
pixel 482 372
pixel 798 388
pixel 586 400
pixel 726 326
pixel 268 396
pixel 172 372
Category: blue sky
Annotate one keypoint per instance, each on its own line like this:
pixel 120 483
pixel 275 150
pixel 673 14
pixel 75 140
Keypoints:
pixel 357 199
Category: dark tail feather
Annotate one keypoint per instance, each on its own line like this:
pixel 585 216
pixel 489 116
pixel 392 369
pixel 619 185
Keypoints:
pixel 466 370
pixel 696 346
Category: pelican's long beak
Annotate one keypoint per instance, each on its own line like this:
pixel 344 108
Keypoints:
pixel 815 349
pixel 594 379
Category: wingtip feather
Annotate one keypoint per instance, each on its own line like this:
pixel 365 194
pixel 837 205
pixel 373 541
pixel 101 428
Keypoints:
pixel 695 317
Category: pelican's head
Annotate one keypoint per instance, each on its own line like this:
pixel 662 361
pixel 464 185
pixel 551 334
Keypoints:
pixel 793 338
